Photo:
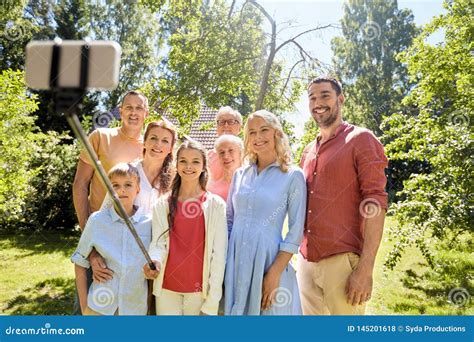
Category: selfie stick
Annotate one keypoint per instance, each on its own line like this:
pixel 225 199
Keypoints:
pixel 68 101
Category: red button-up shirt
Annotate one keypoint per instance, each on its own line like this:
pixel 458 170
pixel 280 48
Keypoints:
pixel 342 174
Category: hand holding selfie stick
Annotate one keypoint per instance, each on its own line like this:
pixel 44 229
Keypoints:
pixel 68 101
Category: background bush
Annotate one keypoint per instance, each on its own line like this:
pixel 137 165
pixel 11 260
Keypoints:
pixel 37 168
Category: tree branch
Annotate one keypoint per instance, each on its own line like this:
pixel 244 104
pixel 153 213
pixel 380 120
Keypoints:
pixel 289 76
pixel 206 75
pixel 265 13
pixel 302 50
pixel 231 10
pixel 300 34
pixel 271 56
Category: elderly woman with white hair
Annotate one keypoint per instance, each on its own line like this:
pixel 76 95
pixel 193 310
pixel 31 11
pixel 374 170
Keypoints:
pixel 229 150
pixel 259 279
pixel 229 122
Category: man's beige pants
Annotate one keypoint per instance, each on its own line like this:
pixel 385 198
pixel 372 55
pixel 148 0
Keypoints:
pixel 322 285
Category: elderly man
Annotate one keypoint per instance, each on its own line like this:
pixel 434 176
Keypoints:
pixel 112 146
pixel 229 121
pixel 344 168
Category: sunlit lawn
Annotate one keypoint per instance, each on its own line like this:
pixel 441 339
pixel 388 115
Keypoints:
pixel 410 289
pixel 36 277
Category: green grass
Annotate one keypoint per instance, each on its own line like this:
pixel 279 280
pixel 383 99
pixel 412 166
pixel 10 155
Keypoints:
pixel 37 278
pixel 413 288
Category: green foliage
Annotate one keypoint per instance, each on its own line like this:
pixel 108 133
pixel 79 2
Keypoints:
pixel 37 168
pixel 18 139
pixel 78 19
pixel 137 29
pixel 212 58
pixel 50 204
pixel 217 53
pixel 437 203
pixel 374 82
pixel 311 130
pixel 15 32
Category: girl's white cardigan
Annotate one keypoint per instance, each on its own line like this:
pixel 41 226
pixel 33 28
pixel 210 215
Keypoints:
pixel 215 249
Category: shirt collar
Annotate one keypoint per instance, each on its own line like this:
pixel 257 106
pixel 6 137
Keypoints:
pixel 254 166
pixel 338 131
pixel 116 217
pixel 126 137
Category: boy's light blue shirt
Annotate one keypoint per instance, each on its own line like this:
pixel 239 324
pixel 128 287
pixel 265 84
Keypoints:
pixel 109 235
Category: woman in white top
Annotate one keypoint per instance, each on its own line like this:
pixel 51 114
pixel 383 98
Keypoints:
pixel 156 168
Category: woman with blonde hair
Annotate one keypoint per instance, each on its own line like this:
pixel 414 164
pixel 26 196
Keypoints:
pixel 259 279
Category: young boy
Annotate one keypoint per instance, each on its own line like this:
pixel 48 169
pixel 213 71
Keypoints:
pixel 126 292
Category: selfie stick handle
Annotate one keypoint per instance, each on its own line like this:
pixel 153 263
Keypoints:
pixel 68 101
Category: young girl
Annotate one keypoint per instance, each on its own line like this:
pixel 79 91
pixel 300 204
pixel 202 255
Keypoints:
pixel 189 240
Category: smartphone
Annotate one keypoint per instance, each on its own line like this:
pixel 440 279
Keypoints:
pixel 104 64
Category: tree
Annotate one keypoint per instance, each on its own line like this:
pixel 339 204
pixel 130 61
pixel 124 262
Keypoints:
pixel 67 20
pixel 271 65
pixel 78 19
pixel 219 54
pixel 136 28
pixel 437 203
pixel 374 81
pixel 212 58
pixel 15 32
pixel 18 137
pixel 311 130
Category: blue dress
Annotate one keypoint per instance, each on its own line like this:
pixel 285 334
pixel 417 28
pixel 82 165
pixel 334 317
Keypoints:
pixel 257 206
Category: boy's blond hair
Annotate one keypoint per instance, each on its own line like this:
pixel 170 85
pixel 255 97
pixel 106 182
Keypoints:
pixel 124 169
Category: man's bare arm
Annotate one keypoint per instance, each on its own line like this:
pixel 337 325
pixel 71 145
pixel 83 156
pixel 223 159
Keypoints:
pixel 359 284
pixel 80 192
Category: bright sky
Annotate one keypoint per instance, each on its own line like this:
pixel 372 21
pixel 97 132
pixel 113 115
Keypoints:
pixel 311 13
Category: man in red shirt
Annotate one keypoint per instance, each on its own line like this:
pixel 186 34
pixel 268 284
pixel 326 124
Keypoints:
pixel 344 168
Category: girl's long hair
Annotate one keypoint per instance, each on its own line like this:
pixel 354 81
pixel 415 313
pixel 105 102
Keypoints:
pixel 162 181
pixel 176 184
